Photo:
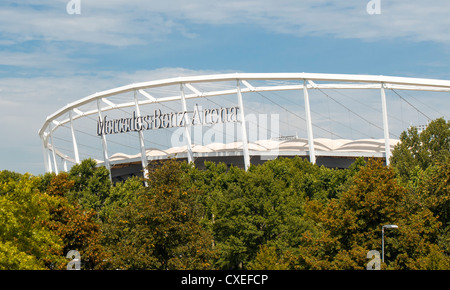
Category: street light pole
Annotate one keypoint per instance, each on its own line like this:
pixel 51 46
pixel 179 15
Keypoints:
pixel 382 238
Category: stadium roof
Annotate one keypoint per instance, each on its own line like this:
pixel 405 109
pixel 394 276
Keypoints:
pixel 290 147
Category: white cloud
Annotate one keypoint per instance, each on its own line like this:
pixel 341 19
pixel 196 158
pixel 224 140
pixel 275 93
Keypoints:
pixel 120 22
pixel 418 20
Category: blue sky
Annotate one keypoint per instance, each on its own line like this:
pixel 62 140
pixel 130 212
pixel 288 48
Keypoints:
pixel 49 58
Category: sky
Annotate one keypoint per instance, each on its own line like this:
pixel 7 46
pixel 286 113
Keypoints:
pixel 54 52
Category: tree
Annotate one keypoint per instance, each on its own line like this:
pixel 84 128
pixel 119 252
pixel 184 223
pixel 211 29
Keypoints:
pixel 268 258
pixel 350 226
pixel 91 185
pixel 433 189
pixel 9 180
pixel 76 227
pixel 419 151
pixel 120 195
pixel 162 228
pixel 264 207
pixel 422 161
pixel 25 241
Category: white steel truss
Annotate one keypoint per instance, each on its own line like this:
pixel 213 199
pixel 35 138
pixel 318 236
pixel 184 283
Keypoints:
pixel 295 81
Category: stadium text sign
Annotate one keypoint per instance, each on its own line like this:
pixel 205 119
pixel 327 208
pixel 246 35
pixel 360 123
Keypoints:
pixel 160 120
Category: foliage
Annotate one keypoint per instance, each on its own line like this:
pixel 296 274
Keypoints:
pixel 161 228
pixel 268 258
pixel 255 208
pixel 434 190
pixel 121 195
pixel 420 151
pixel 91 185
pixel 75 226
pixel 284 214
pixel 349 227
pixel 25 243
pixel 422 162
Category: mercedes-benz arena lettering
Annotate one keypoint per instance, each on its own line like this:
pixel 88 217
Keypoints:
pixel 169 120
pixel 240 119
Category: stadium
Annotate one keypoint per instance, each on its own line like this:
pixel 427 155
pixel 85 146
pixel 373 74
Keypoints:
pixel 240 119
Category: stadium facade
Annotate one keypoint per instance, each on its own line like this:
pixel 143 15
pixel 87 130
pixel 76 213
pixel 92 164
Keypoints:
pixel 238 119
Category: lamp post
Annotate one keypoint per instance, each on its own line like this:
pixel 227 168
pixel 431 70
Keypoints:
pixel 382 238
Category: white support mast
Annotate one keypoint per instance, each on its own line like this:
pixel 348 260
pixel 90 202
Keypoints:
pixel 312 153
pixel 104 144
pixel 187 133
pixel 74 140
pixel 387 146
pixel 53 149
pixel 141 139
pixel 243 128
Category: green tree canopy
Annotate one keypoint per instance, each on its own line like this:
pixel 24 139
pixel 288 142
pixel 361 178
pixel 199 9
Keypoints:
pixel 161 228
pixel 25 242
pixel 419 151
pixel 349 227
pixel 284 214
pixel 91 185
pixel 76 227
